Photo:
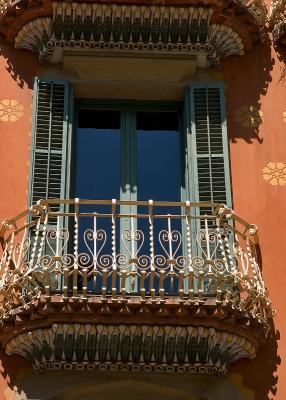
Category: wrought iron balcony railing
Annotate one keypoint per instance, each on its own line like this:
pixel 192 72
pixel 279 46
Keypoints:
pixel 125 251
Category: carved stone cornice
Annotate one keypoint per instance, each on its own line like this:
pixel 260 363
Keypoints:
pixel 217 28
pixel 132 347
pixel 141 30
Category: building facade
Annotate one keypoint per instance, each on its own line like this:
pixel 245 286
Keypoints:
pixel 143 177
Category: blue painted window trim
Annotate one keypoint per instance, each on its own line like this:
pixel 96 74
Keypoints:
pixel 190 186
pixel 67 136
pixel 190 128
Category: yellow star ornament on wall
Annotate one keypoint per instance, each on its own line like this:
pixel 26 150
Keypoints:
pixel 275 173
pixel 10 110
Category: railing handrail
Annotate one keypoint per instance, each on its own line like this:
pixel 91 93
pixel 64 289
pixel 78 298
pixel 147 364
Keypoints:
pixel 221 208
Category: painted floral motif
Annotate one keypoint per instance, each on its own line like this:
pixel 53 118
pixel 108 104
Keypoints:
pixel 10 110
pixel 249 116
pixel 275 173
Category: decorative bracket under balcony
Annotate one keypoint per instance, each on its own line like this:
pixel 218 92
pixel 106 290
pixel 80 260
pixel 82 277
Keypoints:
pixel 210 30
pixel 131 348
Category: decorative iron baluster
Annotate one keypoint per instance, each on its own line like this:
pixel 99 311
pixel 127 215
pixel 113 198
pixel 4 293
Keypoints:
pixel 152 274
pixel 190 269
pixel 113 249
pixel 43 260
pixel 75 274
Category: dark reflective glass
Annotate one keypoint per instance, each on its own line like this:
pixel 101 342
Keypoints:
pixel 99 119
pixel 159 178
pixel 158 156
pixel 157 121
pixel 97 177
pixel 98 155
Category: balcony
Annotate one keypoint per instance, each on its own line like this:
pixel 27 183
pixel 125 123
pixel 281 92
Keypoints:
pixel 125 285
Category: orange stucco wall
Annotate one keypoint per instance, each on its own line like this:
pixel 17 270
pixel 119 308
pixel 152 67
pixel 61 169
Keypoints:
pixel 257 79
pixel 16 72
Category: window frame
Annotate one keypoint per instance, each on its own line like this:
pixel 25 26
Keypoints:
pixel 128 109
pixel 186 109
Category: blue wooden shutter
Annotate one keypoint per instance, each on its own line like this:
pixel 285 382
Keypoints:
pixel 207 144
pixel 51 137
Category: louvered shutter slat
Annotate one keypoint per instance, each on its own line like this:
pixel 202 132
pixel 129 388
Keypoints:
pixel 50 144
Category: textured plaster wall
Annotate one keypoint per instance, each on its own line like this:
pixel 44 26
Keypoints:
pixel 255 91
pixel 16 72
pixel 258 80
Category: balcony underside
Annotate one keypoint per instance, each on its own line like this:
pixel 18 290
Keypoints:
pixel 136 348
pixel 214 31
pixel 182 278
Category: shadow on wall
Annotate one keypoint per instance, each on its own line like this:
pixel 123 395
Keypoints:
pixel 260 375
pixel 281 53
pixel 13 369
pixel 22 65
pixel 247 79
pixel 89 385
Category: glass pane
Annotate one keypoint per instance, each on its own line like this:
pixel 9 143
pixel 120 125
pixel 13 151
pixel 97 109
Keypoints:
pixel 159 178
pixel 158 156
pixel 98 155
pixel 97 177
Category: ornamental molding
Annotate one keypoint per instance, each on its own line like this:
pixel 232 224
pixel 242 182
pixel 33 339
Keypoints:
pixel 131 348
pixel 275 173
pixel 277 21
pixel 11 110
pixel 258 10
pixel 136 29
pixel 246 17
pixel 279 32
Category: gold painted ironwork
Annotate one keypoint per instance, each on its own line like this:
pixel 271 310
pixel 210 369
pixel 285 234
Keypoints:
pixel 186 253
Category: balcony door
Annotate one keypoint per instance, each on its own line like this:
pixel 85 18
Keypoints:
pixel 132 155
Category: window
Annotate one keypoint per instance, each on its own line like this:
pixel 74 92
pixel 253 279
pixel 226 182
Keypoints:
pixel 131 147
pixel 130 151
pixel 137 152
